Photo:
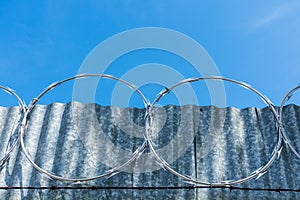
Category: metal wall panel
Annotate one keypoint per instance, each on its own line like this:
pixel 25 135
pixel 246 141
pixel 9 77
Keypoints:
pixel 212 144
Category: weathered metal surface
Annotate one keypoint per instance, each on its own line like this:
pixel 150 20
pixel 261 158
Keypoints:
pixel 213 144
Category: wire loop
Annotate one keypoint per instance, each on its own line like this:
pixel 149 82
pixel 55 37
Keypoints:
pixel 31 106
pixel 283 131
pixel 254 175
pixel 15 141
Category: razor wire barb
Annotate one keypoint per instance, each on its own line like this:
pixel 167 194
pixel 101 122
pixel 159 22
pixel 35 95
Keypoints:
pixel 13 140
pixel 26 111
pixel 283 132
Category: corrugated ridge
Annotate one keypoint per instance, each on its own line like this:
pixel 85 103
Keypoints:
pixel 79 140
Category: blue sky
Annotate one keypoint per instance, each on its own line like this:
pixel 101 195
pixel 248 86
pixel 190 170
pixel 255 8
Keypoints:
pixel 252 41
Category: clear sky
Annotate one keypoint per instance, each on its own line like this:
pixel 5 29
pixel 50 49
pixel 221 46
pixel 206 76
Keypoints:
pixel 257 42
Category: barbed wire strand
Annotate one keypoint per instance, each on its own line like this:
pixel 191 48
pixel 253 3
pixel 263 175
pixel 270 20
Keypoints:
pixel 229 187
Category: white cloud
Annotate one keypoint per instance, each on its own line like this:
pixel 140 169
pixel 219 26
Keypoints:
pixel 276 14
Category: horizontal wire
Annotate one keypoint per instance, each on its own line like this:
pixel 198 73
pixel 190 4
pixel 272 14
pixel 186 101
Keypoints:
pixel 231 188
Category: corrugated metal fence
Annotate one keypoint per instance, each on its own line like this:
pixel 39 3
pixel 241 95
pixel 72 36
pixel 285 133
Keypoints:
pixel 205 143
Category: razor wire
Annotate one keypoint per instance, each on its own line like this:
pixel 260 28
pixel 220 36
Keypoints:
pixel 31 106
pixel 257 173
pixel 13 140
pixel 26 111
pixel 287 141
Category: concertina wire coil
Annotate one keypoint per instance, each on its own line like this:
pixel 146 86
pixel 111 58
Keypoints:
pixel 25 111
